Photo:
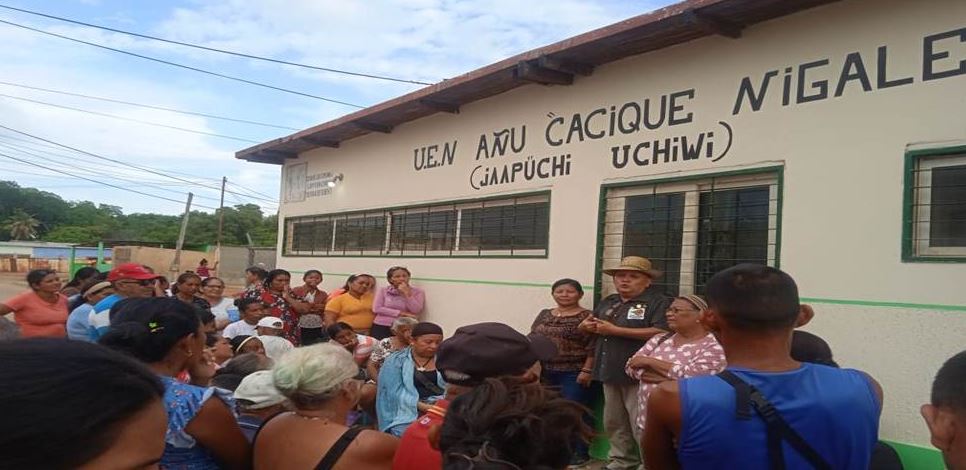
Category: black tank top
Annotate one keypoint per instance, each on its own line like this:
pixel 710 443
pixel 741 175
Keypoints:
pixel 335 452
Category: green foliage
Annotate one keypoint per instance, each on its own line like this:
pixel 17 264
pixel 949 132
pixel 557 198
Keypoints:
pixel 87 223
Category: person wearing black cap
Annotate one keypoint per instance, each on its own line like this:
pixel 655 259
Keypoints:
pixel 473 354
pixel 409 381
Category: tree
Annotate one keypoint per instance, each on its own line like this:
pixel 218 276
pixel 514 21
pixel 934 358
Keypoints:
pixel 22 226
pixel 30 213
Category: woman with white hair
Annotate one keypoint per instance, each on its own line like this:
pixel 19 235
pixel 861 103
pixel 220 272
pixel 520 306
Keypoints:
pixel 401 338
pixel 320 382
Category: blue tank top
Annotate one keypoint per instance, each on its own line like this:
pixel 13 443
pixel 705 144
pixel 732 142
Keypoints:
pixel 835 411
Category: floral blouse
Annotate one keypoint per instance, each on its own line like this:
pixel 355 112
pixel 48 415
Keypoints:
pixel 182 403
pixel 702 357
pixel 278 307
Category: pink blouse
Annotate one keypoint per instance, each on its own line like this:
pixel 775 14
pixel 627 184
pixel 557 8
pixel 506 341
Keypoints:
pixel 390 302
pixel 702 357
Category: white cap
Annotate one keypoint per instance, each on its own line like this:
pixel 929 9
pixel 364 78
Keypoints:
pixel 270 322
pixel 259 389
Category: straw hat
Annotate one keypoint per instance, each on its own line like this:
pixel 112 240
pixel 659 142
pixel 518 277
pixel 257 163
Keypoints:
pixel 635 263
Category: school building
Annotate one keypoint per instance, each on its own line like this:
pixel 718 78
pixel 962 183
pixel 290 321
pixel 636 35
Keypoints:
pixel 827 138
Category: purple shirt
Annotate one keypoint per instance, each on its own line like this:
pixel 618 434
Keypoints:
pixel 390 302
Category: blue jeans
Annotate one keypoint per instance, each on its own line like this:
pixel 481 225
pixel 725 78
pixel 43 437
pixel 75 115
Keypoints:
pixel 566 384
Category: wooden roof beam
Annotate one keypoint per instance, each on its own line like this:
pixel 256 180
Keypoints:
pixel 319 142
pixel 566 66
pixel 530 71
pixel 278 154
pixel 262 158
pixel 373 126
pixel 712 25
pixel 441 106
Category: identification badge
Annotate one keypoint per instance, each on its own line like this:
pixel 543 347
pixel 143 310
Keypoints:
pixel 636 312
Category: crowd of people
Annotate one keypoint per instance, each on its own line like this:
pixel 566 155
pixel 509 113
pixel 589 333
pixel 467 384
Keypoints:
pixel 123 370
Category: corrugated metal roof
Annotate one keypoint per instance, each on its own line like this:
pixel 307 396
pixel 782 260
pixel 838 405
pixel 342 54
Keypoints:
pixel 557 64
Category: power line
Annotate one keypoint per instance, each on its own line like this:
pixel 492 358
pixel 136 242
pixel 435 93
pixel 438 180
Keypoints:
pixel 248 189
pixel 99 173
pixel 122 118
pixel 142 168
pixel 187 67
pixel 222 51
pixel 23 145
pixel 48 175
pixel 99 182
pixel 148 106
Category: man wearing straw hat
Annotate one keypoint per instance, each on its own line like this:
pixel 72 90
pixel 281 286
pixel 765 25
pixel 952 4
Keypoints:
pixel 623 322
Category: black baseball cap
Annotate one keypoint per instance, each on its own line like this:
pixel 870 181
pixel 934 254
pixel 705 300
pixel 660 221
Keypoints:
pixel 483 350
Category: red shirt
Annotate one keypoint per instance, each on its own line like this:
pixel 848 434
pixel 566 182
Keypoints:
pixel 37 317
pixel 415 452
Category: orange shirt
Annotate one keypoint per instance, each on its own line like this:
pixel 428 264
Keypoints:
pixel 356 312
pixel 37 317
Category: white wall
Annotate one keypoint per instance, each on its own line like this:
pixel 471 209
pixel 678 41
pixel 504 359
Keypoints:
pixel 843 162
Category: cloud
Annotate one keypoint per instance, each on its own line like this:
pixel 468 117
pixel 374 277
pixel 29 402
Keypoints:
pixel 426 40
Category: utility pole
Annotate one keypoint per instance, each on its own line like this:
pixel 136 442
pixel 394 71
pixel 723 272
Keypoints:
pixel 221 213
pixel 221 221
pixel 176 264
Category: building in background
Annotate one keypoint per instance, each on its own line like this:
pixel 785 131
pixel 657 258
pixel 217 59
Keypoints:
pixel 22 256
pixel 824 137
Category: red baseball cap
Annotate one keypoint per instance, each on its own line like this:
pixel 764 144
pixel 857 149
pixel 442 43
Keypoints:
pixel 130 271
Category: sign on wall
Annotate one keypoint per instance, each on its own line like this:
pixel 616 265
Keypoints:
pixel 663 129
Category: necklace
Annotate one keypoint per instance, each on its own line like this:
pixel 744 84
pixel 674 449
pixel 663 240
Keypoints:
pixel 421 367
pixel 324 419
pixel 559 312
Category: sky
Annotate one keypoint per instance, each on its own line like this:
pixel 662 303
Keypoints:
pixel 420 40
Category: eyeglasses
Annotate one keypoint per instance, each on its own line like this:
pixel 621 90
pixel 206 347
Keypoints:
pixel 215 286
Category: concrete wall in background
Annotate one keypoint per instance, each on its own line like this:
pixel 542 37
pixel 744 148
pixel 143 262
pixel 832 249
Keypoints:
pixel 235 259
pixel 159 259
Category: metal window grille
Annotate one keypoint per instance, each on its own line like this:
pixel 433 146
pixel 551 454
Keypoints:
pixel 691 229
pixel 512 226
pixel 938 212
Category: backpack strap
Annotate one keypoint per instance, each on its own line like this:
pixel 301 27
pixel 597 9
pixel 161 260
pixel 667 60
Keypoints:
pixel 776 427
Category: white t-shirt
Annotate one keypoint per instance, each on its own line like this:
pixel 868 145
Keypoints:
pixel 220 310
pixel 239 328
pixel 275 346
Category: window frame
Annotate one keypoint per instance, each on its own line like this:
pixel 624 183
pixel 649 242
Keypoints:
pixel 388 212
pixel 913 226
pixel 699 181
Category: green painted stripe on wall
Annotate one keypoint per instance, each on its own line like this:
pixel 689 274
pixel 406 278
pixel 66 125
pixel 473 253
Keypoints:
pixel 817 300
pixel 874 303
pixel 917 457
pixel 466 281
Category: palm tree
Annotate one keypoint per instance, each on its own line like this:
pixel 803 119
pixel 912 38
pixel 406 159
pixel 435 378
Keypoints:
pixel 22 225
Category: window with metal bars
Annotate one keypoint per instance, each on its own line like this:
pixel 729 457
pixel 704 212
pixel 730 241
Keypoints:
pixel 692 228
pixel 515 226
pixel 934 225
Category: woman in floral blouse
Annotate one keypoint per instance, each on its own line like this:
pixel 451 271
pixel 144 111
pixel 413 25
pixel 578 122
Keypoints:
pixel 310 323
pixel 282 303
pixel 689 350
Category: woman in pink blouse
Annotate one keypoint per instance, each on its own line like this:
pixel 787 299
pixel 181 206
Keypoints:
pixel 689 350
pixel 398 299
